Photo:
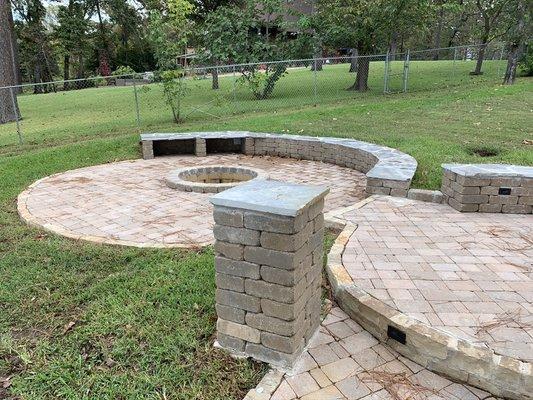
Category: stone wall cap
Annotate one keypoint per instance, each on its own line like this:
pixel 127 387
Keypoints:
pixel 270 196
pixel 194 135
pixel 489 170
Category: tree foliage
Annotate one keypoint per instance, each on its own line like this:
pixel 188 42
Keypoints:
pixel 79 38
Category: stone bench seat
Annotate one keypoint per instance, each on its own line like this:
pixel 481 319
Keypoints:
pixel 490 188
pixel 388 171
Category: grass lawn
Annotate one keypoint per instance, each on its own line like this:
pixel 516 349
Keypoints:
pixel 446 118
pixel 81 321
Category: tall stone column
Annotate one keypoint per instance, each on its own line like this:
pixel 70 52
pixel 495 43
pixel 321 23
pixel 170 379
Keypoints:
pixel 268 259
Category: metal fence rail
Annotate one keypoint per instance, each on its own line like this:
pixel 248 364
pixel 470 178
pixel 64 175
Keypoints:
pixel 216 92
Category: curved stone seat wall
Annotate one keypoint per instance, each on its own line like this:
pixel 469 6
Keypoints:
pixel 388 170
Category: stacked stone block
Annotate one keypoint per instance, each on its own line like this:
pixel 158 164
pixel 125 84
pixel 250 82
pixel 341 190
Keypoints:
pixel 387 187
pixel 147 147
pixel 248 146
pixel 200 147
pixel 268 265
pixel 480 188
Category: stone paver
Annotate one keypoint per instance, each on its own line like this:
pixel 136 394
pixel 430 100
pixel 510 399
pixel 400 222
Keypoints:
pixel 128 202
pixel 388 377
pixel 466 274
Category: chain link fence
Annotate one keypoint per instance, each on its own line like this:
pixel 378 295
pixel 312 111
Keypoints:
pixel 68 110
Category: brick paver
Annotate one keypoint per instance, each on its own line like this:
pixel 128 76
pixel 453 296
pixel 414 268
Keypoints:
pixel 375 373
pixel 467 274
pixel 129 203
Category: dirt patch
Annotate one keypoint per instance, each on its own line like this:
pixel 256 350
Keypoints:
pixel 483 151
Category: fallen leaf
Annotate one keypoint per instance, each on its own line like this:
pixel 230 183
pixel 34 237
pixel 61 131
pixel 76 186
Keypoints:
pixel 527 141
pixel 68 327
pixel 110 362
pixel 6 382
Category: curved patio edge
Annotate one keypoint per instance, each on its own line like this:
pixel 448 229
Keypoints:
pixel 27 217
pixel 388 171
pixel 434 349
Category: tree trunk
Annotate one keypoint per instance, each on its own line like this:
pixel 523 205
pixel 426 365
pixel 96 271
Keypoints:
pixel 80 73
pixel 480 57
pixel 8 74
pixel 214 74
pixel 516 46
pixel 66 71
pixel 393 46
pixel 438 34
pixel 361 79
pixel 512 62
pixel 102 56
pixel 353 60
pixel 37 88
pixel 15 51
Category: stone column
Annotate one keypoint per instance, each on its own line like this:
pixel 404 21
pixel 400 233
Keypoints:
pixel 147 147
pixel 248 146
pixel 268 259
pixel 200 147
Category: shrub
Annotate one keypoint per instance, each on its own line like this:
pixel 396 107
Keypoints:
pixel 174 90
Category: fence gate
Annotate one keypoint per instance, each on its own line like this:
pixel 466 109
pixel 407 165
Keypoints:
pixel 396 72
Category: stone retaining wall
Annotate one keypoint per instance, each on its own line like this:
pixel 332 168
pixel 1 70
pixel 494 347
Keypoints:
pixel 268 260
pixel 492 188
pixel 388 171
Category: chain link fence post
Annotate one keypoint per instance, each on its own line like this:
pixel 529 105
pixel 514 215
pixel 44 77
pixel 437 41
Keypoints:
pixel 454 60
pixel 386 74
pixel 137 111
pixel 17 116
pixel 234 85
pixel 406 71
pixel 315 83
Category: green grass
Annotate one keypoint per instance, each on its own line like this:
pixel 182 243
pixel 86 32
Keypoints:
pixel 144 319
pixel 446 116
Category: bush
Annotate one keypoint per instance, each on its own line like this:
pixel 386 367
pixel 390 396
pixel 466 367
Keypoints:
pixel 174 90
pixel 122 70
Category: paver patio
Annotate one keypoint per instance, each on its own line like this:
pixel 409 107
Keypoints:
pixel 129 203
pixel 467 274
pixel 344 362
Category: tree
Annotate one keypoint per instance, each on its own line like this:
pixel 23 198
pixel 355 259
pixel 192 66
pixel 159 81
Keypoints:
pixel 8 75
pixel 494 17
pixel 169 30
pixel 71 34
pixel 223 37
pixel 405 18
pixel 359 24
pixel 249 34
pixel 517 39
pixel 35 45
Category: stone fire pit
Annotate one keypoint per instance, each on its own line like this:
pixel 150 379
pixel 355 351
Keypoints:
pixel 212 178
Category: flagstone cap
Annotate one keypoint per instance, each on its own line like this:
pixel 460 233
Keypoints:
pixel 269 196
pixel 490 170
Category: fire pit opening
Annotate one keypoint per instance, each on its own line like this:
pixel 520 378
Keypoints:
pixel 211 179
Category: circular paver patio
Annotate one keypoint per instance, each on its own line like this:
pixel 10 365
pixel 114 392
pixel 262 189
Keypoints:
pixel 129 203
pixel 468 274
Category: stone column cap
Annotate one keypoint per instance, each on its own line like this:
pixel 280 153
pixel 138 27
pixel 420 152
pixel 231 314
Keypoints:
pixel 490 170
pixel 269 196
